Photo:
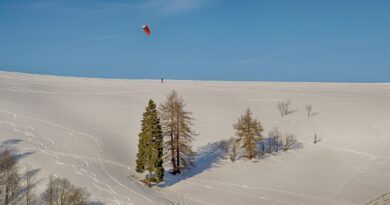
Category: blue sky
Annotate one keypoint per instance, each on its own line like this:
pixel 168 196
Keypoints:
pixel 265 40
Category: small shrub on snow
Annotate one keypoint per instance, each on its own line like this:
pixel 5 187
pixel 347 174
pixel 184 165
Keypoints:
pixel 309 108
pixel 289 141
pixel 231 148
pixel 283 107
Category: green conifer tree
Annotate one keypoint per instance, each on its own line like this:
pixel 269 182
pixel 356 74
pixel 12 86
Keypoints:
pixel 150 146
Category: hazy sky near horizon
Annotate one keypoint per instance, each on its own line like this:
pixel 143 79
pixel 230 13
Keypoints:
pixel 267 40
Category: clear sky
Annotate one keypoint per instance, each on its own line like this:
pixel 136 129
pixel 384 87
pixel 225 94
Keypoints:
pixel 267 40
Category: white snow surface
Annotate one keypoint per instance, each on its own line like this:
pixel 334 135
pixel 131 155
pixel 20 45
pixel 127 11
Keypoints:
pixel 86 129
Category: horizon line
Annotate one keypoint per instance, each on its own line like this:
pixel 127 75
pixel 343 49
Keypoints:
pixel 187 79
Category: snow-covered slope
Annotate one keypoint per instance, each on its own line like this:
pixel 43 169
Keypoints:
pixel 86 130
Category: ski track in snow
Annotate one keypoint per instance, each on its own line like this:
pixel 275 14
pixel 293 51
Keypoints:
pixel 43 148
pixel 84 159
pixel 262 189
pixel 364 154
pixel 239 193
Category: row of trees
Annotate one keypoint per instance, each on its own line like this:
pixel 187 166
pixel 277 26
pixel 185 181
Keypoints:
pixel 166 135
pixel 172 123
pixel 18 189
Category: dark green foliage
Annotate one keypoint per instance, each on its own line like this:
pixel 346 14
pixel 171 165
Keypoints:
pixel 150 146
pixel 159 162
pixel 140 167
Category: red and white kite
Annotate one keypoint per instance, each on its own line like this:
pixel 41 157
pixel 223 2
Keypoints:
pixel 146 29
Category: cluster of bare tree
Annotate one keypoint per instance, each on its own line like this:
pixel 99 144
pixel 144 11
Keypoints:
pixel 60 191
pixel 18 189
pixel 250 143
pixel 280 141
pixel 284 108
pixel 273 143
pixel 9 178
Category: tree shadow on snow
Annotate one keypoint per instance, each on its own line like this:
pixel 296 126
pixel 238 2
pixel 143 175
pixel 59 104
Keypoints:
pixel 211 155
pixel 8 145
pixel 207 157
pixel 292 111
pixel 95 203
pixel 30 174
pixel 20 155
pixel 314 114
pixel 10 142
pixel 268 146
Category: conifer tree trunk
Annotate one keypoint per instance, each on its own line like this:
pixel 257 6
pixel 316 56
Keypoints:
pixel 173 154
pixel 177 154
pixel 177 143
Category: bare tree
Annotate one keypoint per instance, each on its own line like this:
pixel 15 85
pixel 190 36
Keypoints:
pixel 60 191
pixel 168 123
pixel 231 148
pixel 14 184
pixel 289 141
pixel 9 177
pixel 283 107
pixel 275 139
pixel 248 131
pixel 316 138
pixel 29 187
pixel 176 126
pixel 63 190
pixel 309 108
pixel 79 196
pixel 48 195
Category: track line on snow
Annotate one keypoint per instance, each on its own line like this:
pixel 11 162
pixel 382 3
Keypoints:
pixel 365 154
pixel 248 195
pixel 98 152
pixel 55 155
pixel 197 200
pixel 269 189
pixel 93 178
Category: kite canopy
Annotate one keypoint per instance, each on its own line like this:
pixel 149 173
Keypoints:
pixel 146 29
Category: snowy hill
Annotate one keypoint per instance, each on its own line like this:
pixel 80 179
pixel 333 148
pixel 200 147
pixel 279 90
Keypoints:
pixel 86 130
